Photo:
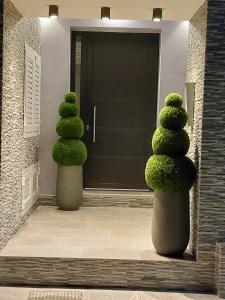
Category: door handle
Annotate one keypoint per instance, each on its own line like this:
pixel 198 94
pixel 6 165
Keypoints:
pixel 94 124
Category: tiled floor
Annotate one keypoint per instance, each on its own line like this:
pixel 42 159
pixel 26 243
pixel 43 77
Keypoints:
pixel 24 294
pixel 90 232
pixel 98 232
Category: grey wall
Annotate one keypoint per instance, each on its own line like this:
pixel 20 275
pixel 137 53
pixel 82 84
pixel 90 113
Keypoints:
pixel 55 47
pixel 17 153
pixel 196 73
pixel 206 67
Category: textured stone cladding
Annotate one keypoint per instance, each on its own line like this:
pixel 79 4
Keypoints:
pixel 206 67
pixel 211 220
pixel 196 73
pixel 220 269
pixel 1 51
pixel 17 153
pixel 106 199
pixel 170 274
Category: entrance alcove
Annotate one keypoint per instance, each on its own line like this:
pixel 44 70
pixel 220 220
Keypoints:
pixel 107 242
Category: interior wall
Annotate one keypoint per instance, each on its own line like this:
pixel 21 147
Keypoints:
pixel 55 47
pixel 17 153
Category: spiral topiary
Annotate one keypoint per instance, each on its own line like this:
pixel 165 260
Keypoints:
pixel 173 117
pixel 69 150
pixel 170 142
pixel 169 169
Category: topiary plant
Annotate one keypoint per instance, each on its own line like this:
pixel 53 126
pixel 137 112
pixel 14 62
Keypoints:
pixel 69 150
pixel 169 169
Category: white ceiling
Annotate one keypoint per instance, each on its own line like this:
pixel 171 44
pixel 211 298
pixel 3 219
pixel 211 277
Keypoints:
pixel 120 9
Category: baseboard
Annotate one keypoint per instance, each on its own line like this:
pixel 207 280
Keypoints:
pixel 93 198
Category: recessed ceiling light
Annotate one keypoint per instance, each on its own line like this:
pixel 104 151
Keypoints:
pixel 157 14
pixel 53 11
pixel 105 13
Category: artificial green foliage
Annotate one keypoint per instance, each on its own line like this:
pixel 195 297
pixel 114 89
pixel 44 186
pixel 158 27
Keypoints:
pixel 173 117
pixel 170 142
pixel 169 173
pixel 174 99
pixel 169 169
pixel 67 109
pixel 70 127
pixel 71 97
pixel 69 150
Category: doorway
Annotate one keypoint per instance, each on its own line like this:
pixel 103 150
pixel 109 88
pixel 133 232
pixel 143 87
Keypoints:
pixel 118 100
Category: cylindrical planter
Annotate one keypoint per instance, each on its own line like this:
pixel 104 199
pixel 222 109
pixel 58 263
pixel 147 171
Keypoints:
pixel 69 188
pixel 170 222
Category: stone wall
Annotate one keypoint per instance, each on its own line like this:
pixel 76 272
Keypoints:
pixel 1 50
pixel 206 67
pixel 17 153
pixel 211 219
pixel 196 74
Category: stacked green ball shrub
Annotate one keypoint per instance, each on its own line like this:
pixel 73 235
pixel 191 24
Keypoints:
pixel 169 169
pixel 69 150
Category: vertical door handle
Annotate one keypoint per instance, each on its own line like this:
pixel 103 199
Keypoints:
pixel 94 124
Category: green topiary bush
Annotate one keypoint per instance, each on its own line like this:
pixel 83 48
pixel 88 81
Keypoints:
pixel 169 169
pixel 71 97
pixel 70 127
pixel 174 99
pixel 169 173
pixel 67 109
pixel 69 150
pixel 170 142
pixel 173 117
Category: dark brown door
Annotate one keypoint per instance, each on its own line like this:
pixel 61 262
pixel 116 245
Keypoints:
pixel 119 83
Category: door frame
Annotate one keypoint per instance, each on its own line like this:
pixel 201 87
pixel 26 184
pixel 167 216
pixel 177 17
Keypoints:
pixel 81 30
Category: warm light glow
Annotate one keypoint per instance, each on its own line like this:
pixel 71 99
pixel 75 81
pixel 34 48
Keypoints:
pixel 157 14
pixel 53 11
pixel 105 13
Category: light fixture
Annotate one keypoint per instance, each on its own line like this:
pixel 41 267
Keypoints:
pixel 53 11
pixel 157 14
pixel 105 13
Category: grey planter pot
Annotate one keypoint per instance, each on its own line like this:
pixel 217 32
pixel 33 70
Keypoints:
pixel 69 187
pixel 170 222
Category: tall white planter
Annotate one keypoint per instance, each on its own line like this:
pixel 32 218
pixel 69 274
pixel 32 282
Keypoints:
pixel 69 188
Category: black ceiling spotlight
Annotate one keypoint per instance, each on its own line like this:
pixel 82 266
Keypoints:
pixel 157 14
pixel 53 11
pixel 105 13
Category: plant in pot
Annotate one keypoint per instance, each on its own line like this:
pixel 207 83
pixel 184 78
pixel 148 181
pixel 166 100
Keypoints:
pixel 70 153
pixel 171 175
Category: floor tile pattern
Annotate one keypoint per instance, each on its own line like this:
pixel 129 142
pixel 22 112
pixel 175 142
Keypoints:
pixel 109 232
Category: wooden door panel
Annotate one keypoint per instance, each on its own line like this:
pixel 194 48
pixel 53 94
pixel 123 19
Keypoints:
pixel 119 78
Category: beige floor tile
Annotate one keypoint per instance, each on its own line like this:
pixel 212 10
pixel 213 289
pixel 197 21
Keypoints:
pixel 65 232
pixel 33 241
pixel 109 253
pixel 97 241
pixel 43 251
pixel 134 233
pixel 143 242
pixel 108 231
pixel 116 226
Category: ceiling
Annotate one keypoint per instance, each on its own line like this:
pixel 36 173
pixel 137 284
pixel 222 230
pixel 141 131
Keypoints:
pixel 120 9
